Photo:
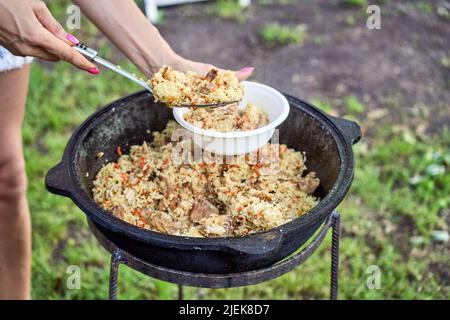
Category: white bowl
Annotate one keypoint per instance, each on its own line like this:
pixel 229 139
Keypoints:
pixel 241 142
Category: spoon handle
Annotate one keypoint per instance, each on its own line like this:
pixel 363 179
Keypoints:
pixel 93 55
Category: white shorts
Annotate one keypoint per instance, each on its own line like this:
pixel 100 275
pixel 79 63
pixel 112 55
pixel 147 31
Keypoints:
pixel 8 61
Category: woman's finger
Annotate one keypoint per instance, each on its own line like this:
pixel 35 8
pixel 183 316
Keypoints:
pixel 203 68
pixel 65 52
pixel 40 53
pixel 23 50
pixel 48 21
pixel 244 73
pixel 185 65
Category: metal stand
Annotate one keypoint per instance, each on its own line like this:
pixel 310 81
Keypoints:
pixel 116 260
pixel 225 280
pixel 336 235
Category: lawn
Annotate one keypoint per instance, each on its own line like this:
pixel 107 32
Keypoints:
pixel 397 211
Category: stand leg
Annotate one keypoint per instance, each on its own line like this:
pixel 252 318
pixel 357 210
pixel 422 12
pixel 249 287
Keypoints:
pixel 116 260
pixel 336 232
pixel 180 292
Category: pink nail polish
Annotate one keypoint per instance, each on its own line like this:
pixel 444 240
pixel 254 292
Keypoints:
pixel 93 71
pixel 247 70
pixel 72 39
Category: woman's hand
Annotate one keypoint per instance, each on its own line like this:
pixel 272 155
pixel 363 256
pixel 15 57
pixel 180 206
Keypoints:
pixel 27 28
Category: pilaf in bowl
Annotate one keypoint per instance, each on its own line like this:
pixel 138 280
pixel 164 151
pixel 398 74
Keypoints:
pixel 272 105
pixel 229 118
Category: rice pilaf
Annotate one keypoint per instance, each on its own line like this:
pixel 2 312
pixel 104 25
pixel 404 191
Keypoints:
pixel 205 199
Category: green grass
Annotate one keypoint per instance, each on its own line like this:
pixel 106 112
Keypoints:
pixel 274 2
pixel 229 9
pixel 424 6
pixel 443 12
pixel 321 104
pixel 286 2
pixel 409 177
pixel 353 105
pixel 276 34
pixel 445 62
pixel 350 20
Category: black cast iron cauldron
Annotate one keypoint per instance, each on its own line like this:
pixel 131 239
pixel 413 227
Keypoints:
pixel 326 140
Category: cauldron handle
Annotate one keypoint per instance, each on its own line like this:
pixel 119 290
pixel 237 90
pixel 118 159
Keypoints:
pixel 350 129
pixel 56 179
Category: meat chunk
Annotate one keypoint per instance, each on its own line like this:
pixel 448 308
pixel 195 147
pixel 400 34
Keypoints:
pixel 309 183
pixel 216 225
pixel 164 223
pixel 202 209
pixel 212 74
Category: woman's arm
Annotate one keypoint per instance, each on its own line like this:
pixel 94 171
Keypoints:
pixel 124 24
pixel 27 28
pixel 128 28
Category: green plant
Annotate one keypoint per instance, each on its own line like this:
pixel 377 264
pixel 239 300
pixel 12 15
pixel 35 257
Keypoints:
pixel 443 12
pixel 161 17
pixel 356 3
pixel 353 105
pixel 229 9
pixel 445 62
pixel 424 7
pixel 281 2
pixel 350 20
pixel 275 33
pixel 321 105
pixel 319 40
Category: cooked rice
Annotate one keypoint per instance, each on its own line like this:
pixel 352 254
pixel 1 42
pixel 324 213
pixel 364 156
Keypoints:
pixel 228 118
pixel 175 88
pixel 202 199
